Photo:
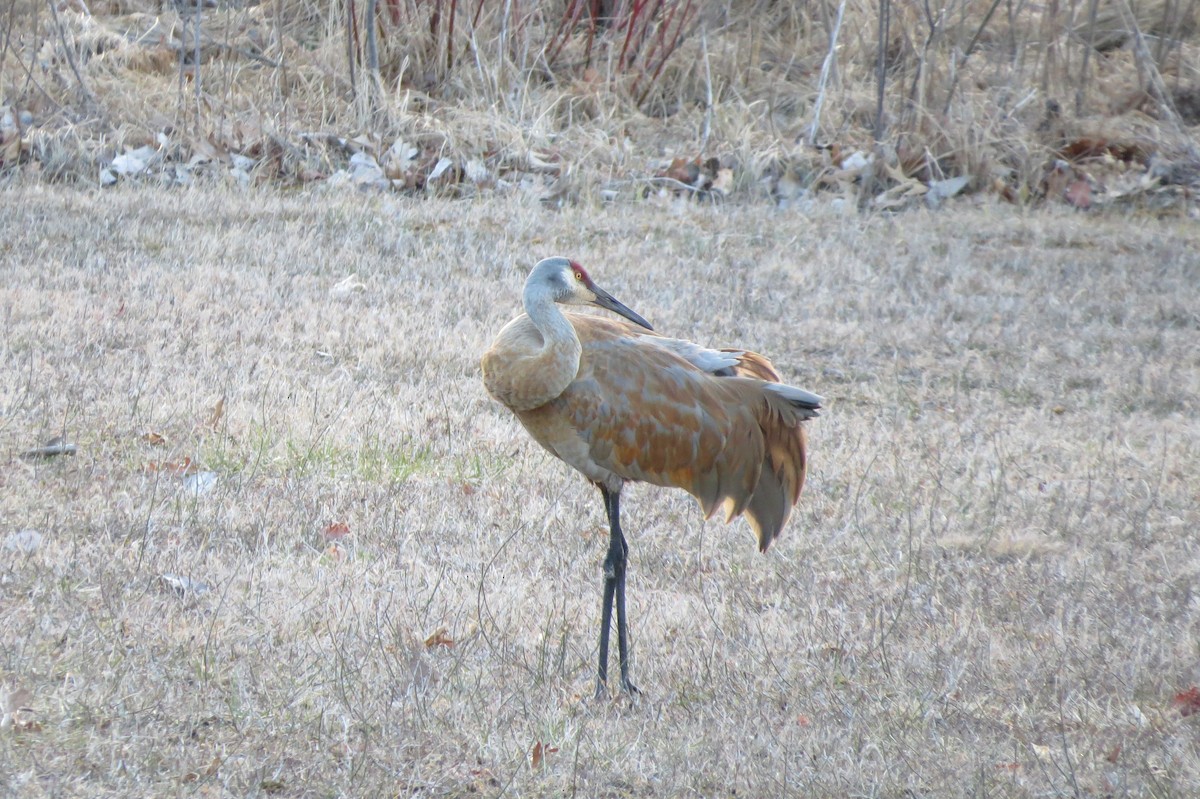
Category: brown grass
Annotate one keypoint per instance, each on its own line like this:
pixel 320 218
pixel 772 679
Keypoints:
pixel 989 588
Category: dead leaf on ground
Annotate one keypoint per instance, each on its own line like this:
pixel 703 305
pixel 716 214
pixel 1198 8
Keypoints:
pixel 154 439
pixel 1079 194
pixel 1188 701
pixel 218 411
pixel 336 531
pixel 539 753
pixel 722 185
pixel 683 170
pixel 439 638
pixel 181 468
pixel 706 178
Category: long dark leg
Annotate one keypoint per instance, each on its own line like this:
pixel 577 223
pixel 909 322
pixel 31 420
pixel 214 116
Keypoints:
pixel 614 593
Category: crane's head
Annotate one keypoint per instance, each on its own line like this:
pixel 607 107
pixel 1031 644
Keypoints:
pixel 569 283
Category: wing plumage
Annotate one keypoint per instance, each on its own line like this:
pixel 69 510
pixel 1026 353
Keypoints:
pixel 715 423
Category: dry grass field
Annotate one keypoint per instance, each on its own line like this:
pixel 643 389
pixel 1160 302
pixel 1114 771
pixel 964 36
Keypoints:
pixel 299 552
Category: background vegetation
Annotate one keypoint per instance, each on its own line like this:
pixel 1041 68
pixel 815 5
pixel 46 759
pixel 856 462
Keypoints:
pixel 593 97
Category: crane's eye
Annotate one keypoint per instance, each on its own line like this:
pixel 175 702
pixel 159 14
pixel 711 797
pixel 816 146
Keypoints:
pixel 579 276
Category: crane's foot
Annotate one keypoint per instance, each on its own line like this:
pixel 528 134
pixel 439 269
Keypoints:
pixel 627 689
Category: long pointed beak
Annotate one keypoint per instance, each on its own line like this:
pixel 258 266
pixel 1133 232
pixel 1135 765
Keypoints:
pixel 611 303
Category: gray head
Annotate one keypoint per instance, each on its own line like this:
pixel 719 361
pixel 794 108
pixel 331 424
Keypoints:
pixel 569 283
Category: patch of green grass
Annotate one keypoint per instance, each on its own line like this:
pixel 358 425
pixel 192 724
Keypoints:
pixel 372 461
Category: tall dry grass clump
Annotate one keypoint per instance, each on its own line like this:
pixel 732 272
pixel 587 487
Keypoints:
pixel 513 92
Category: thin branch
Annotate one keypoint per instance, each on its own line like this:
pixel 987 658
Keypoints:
pixel 70 53
pixel 708 91
pixel 375 81
pixel 30 78
pixel 1157 84
pixel 826 69
pixel 638 5
pixel 450 37
pixel 885 13
pixel 660 34
pixel 962 60
pixel 565 26
pixel 351 42
pixel 689 11
pixel 196 62
pixel 1081 89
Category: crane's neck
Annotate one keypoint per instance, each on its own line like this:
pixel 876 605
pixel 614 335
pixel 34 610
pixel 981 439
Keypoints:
pixel 552 367
pixel 557 331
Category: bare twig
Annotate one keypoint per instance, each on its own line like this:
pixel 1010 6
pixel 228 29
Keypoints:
pixel 826 69
pixel 372 37
pixel 70 53
pixel 634 15
pixel 435 24
pixel 196 61
pixel 563 32
pixel 1081 88
pixel 1157 85
pixel 885 12
pixel 962 59
pixel 686 15
pixel 8 29
pixel 351 48
pixel 450 36
pixel 708 92
pixel 30 78
pixel 916 92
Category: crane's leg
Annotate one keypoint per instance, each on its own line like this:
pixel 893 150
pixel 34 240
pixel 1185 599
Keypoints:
pixel 614 594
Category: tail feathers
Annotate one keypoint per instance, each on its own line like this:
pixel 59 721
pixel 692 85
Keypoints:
pixel 805 404
pixel 760 472
pixel 762 468
pixel 780 481
pixel 730 486
pixel 751 364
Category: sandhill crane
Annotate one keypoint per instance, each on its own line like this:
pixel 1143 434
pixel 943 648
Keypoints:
pixel 619 402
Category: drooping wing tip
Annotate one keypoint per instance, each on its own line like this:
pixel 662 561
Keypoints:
pixel 805 401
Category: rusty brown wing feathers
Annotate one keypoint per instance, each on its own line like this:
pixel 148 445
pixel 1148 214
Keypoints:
pixel 650 414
